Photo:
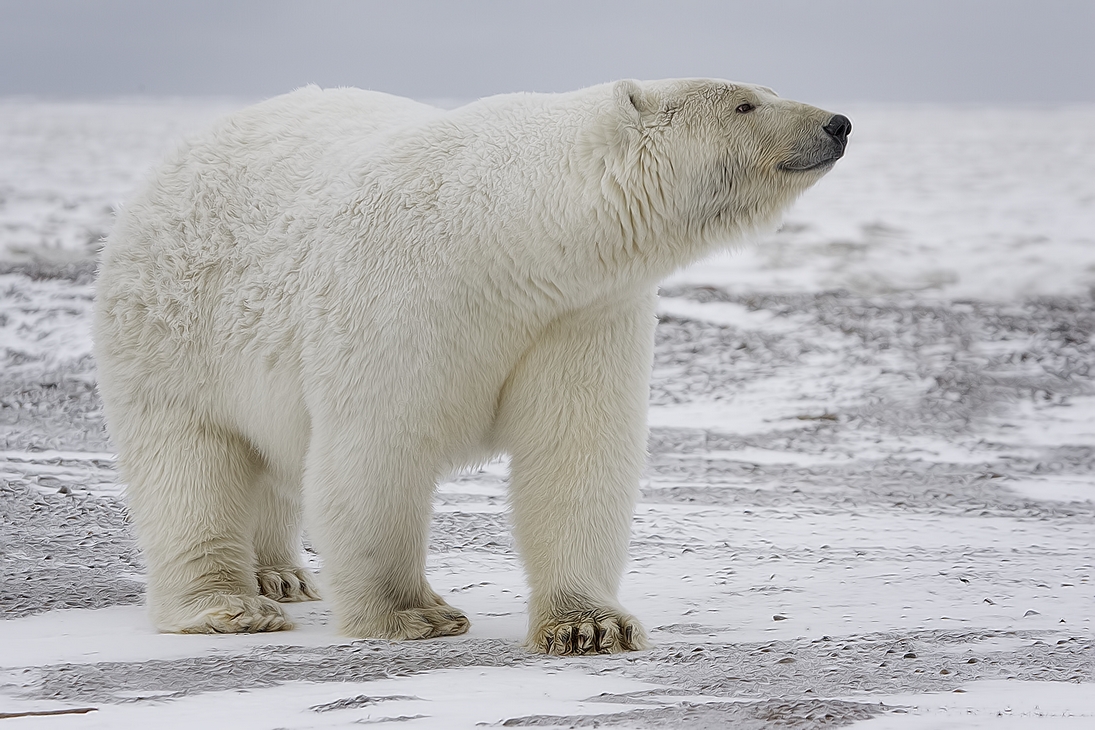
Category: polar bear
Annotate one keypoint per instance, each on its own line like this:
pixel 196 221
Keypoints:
pixel 334 298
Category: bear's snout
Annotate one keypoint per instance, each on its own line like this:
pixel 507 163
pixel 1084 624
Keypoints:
pixel 822 146
pixel 839 127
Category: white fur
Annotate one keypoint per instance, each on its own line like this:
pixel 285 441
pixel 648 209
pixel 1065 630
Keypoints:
pixel 334 298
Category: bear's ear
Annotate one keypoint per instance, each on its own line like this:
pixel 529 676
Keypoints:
pixel 631 102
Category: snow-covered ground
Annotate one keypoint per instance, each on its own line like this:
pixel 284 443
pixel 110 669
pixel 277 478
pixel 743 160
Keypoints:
pixel 870 497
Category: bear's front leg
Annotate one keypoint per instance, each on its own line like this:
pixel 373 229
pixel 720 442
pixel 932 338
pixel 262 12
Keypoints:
pixel 573 417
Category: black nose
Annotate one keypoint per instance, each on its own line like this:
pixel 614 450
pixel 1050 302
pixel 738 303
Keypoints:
pixel 839 127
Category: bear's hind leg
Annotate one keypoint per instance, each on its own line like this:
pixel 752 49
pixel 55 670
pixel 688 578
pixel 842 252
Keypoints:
pixel 190 488
pixel 369 509
pixel 277 539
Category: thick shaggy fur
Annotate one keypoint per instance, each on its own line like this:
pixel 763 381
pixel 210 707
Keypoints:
pixel 334 298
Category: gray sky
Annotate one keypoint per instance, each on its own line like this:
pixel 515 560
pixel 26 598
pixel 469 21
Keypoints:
pixel 997 51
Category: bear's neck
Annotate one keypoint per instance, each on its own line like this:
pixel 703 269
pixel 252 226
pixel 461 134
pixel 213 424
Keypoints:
pixel 556 214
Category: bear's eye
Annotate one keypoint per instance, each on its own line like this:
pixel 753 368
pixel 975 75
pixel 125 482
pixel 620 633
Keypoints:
pixel 745 108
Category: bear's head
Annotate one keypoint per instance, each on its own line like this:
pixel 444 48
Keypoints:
pixel 711 161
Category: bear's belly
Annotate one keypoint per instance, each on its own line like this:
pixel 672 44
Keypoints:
pixel 445 411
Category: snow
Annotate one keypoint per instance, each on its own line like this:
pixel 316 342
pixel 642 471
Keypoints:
pixel 1004 705
pixel 869 497
pixel 953 202
pixel 471 697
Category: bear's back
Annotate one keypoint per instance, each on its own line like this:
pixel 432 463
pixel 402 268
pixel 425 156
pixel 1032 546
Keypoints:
pixel 264 159
pixel 221 211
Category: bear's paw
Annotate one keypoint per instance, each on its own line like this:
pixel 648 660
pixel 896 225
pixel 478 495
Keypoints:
pixel 234 614
pixel 287 584
pixel 588 631
pixel 412 623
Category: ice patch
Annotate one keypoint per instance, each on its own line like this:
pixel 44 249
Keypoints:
pixel 1057 489
pixel 995 705
pixel 727 314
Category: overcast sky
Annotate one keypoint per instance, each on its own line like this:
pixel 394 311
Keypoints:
pixel 996 51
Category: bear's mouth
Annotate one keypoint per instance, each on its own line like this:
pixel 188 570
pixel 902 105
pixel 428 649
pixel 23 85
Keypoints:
pixel 807 166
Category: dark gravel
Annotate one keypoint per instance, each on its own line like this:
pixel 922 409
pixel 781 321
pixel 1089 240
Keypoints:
pixel 942 368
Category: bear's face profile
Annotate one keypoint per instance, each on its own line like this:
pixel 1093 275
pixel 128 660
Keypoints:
pixel 727 158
